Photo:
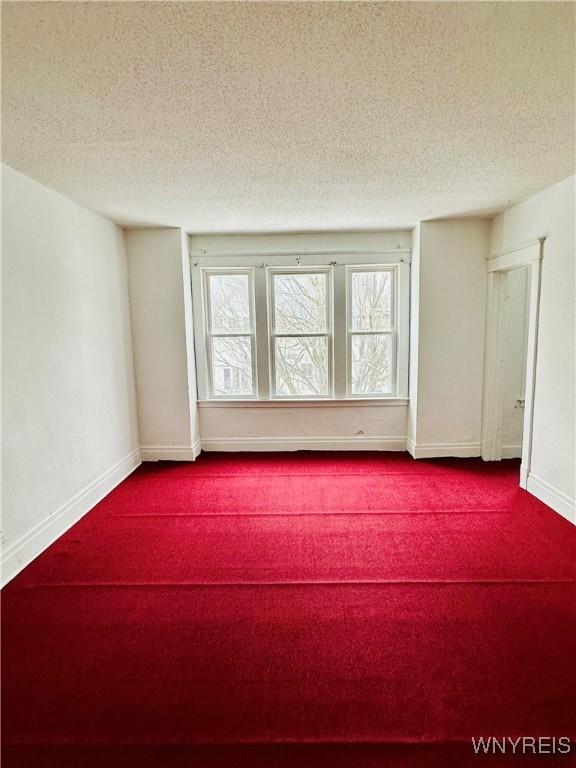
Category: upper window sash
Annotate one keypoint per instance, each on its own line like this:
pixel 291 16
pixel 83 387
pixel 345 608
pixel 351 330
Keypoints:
pixel 388 323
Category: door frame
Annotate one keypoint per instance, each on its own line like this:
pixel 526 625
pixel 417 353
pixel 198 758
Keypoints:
pixel 528 254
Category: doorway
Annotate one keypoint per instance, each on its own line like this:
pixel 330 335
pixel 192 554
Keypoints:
pixel 515 298
pixel 511 351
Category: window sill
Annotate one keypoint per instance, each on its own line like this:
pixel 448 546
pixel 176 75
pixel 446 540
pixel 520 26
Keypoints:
pixel 374 402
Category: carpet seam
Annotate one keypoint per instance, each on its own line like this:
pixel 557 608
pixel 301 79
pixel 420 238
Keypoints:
pixel 304 514
pixel 193 474
pixel 248 742
pixel 227 584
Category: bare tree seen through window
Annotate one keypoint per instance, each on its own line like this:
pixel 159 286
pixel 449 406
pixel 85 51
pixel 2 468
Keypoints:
pixel 301 333
pixel 300 358
pixel 370 328
pixel 231 335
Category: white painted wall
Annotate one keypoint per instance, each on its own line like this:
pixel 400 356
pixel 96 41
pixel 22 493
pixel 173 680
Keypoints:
pixel 70 429
pixel 159 280
pixel 516 299
pixel 449 298
pixel 283 427
pixel 551 214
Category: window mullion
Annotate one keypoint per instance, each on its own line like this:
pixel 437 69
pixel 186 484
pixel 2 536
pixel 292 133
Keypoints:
pixel 261 341
pixel 340 327
pixel 402 327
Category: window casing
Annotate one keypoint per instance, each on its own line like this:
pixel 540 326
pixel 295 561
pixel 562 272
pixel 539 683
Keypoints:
pixel 356 348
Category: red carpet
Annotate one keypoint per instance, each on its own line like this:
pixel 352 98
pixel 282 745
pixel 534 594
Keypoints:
pixel 295 610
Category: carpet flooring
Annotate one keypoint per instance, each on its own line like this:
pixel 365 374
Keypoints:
pixel 307 609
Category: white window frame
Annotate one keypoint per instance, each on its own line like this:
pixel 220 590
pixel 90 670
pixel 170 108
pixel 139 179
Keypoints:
pixel 209 335
pixel 392 332
pixel 339 266
pixel 273 335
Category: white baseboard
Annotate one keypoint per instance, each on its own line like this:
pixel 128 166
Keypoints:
pixel 512 451
pixel 558 500
pixel 411 447
pixel 442 450
pixel 359 443
pixel 170 452
pixel 21 552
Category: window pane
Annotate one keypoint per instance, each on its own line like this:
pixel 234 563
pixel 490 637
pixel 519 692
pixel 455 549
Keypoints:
pixel 372 364
pixel 229 304
pixel 301 366
pixel 232 365
pixel 300 303
pixel 371 301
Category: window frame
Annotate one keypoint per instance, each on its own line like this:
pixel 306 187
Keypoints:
pixel 392 331
pixel 340 265
pixel 273 335
pixel 209 335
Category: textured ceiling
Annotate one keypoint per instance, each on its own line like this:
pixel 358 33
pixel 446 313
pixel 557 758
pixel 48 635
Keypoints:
pixel 276 116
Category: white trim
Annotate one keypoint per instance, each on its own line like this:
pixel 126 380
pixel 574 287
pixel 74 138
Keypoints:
pixel 261 345
pixel 340 331
pixel 521 257
pixel 360 443
pixel 306 260
pixel 170 452
pixel 441 450
pixel 189 331
pixel 529 255
pixel 411 447
pixel 399 254
pixel 375 402
pixel 27 547
pixel 557 500
pixel 531 360
pixel 265 244
pixel 520 247
pixel 512 451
